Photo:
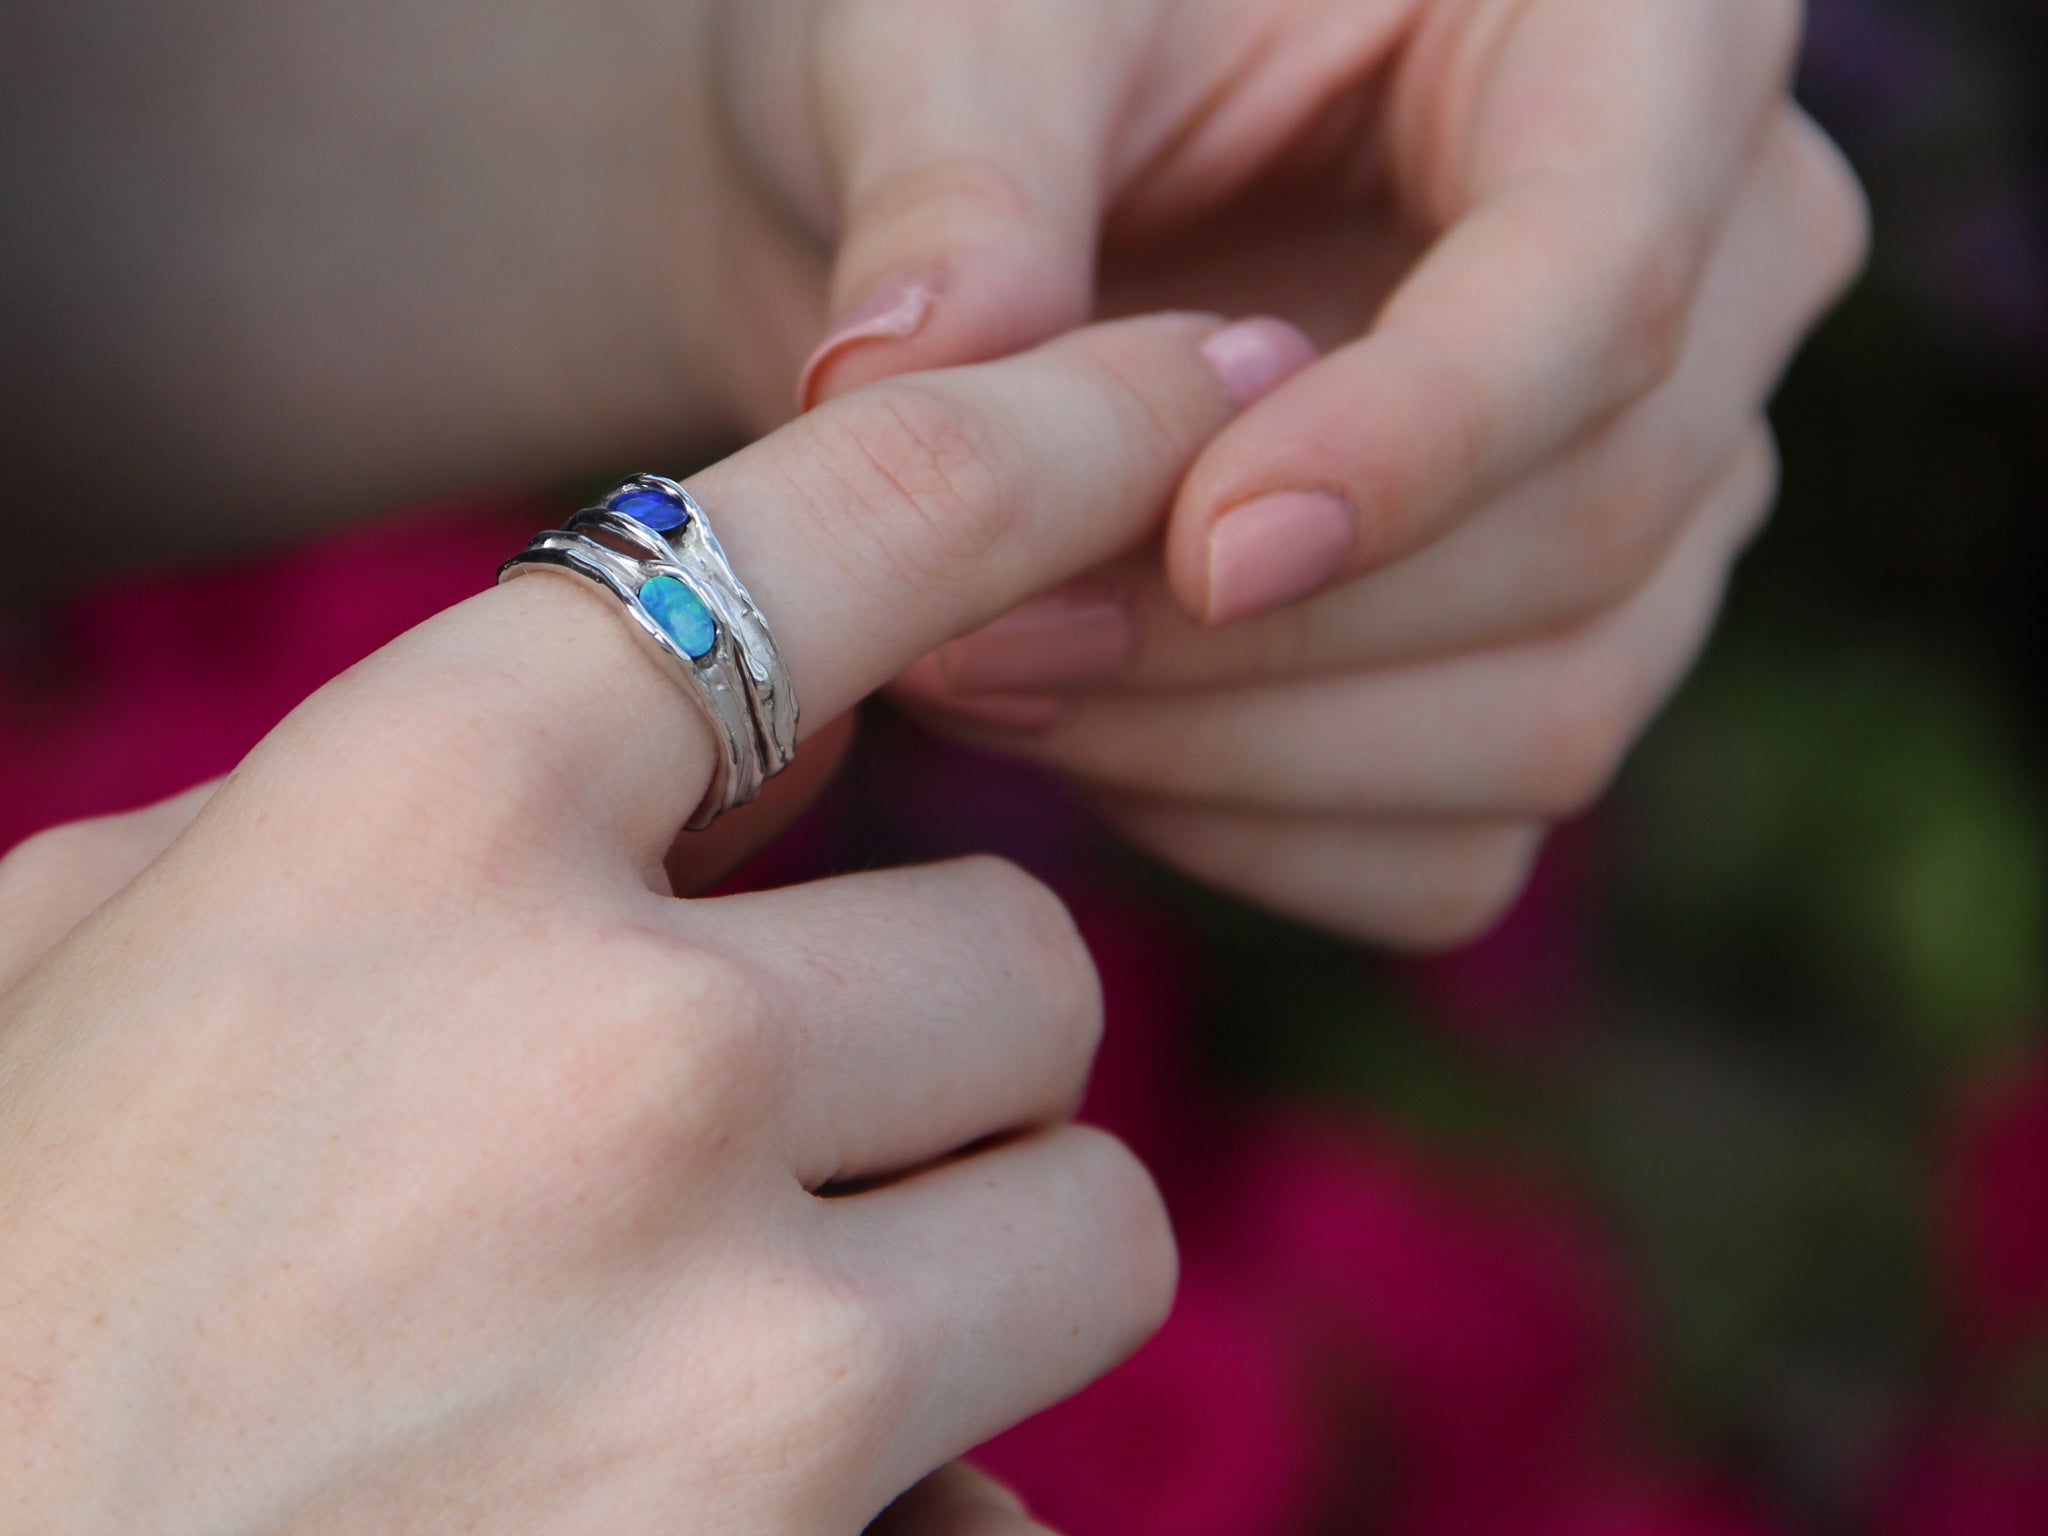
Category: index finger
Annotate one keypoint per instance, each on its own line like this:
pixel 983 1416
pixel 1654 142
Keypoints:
pixel 1577 188
pixel 868 531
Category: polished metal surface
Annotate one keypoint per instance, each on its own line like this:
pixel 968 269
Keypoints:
pixel 740 684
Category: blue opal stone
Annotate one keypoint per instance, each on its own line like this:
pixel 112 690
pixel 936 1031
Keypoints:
pixel 652 509
pixel 682 613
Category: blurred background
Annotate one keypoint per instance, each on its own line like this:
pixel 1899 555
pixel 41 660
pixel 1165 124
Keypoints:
pixel 1708 1195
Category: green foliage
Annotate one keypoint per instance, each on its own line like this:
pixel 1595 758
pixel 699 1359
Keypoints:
pixel 1777 1222
pixel 1847 831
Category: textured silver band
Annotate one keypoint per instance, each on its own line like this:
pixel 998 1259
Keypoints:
pixel 738 681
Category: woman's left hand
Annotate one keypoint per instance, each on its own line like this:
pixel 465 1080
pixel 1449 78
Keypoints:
pixel 1385 759
pixel 1417 604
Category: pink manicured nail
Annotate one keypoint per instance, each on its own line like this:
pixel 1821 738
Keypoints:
pixel 1069 638
pixel 1255 357
pixel 895 310
pixel 1019 714
pixel 923 685
pixel 1276 550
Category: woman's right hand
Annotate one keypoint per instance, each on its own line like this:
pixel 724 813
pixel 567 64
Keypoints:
pixel 384 1148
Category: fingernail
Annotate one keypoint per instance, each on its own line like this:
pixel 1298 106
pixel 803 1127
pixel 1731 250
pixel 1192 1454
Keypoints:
pixel 1069 638
pixel 1255 357
pixel 894 310
pixel 1276 550
pixel 925 686
pixel 1017 714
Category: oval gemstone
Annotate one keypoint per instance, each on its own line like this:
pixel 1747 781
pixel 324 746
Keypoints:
pixel 682 613
pixel 652 509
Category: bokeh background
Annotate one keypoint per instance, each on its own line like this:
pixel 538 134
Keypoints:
pixel 1710 1194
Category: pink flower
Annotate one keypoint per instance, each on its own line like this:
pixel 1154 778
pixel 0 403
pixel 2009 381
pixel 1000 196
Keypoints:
pixel 1973 1483
pixel 1521 985
pixel 1206 1430
pixel 1370 1339
pixel 1623 1502
pixel 1201 1434
pixel 1484 1309
pixel 1996 1215
pixel 144 688
pixel 1144 1087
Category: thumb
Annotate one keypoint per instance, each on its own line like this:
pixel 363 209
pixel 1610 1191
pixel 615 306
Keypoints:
pixel 967 146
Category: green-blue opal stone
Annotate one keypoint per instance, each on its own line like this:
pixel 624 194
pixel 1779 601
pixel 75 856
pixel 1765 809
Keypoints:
pixel 682 613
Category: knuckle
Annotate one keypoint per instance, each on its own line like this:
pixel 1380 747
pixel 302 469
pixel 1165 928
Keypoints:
pixel 1479 881
pixel 45 863
pixel 1049 951
pixel 827 1374
pixel 416 791
pixel 1656 306
pixel 819 1374
pixel 1124 373
pixel 1618 534
pixel 1576 745
pixel 674 1057
pixel 706 1040
pixel 928 476
pixel 61 860
pixel 1838 208
pixel 845 1362
pixel 1753 482
pixel 1128 1203
pixel 1448 407
pixel 1458 402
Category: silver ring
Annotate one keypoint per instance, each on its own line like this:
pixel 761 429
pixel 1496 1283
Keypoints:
pixel 649 543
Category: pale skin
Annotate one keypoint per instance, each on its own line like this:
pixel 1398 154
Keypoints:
pixel 1413 609
pixel 295 1139
pixel 1557 251
pixel 386 1147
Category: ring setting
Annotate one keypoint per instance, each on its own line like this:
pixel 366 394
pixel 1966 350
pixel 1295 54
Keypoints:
pixel 650 545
